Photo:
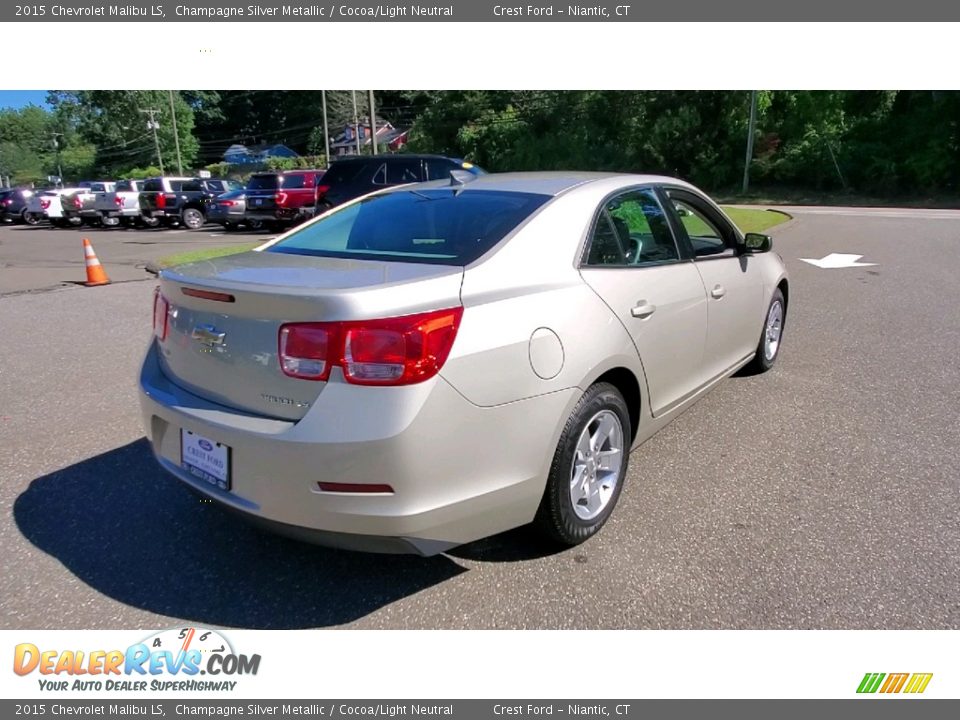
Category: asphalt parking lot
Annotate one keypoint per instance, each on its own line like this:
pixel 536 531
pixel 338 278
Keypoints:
pixel 825 494
pixel 41 258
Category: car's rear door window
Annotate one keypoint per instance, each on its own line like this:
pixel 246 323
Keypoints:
pixel 437 226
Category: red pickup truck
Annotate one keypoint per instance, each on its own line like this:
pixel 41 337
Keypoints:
pixel 283 198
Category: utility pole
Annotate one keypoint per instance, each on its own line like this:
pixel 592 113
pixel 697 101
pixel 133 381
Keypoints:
pixel 56 146
pixel 753 125
pixel 154 125
pixel 356 121
pixel 176 136
pixel 373 121
pixel 326 133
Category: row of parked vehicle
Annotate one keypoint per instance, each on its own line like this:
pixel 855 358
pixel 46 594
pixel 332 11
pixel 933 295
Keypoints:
pixel 270 199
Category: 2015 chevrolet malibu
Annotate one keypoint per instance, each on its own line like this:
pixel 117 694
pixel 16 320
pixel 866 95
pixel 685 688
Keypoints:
pixel 440 362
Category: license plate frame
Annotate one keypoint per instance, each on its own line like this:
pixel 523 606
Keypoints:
pixel 211 464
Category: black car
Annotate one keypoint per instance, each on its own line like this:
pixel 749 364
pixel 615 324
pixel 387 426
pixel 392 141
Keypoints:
pixel 13 206
pixel 352 177
pixel 181 200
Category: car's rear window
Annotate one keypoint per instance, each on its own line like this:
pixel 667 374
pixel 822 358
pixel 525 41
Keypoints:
pixel 438 226
pixel 264 182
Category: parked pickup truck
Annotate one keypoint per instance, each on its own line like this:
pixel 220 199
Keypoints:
pixel 283 198
pixel 122 205
pixel 181 200
pixel 45 204
pixel 79 205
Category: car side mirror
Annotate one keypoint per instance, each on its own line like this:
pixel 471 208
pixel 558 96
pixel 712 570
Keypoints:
pixel 754 243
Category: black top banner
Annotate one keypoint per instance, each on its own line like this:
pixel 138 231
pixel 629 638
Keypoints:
pixel 478 11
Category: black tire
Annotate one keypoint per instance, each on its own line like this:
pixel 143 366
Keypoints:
pixel 109 221
pixel 557 516
pixel 29 218
pixel 149 222
pixel 230 227
pixel 192 218
pixel 761 363
pixel 254 224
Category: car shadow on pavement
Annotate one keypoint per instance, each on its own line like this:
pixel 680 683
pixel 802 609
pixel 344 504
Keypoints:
pixel 135 534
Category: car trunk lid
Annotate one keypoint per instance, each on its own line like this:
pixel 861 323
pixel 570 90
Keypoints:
pixel 226 313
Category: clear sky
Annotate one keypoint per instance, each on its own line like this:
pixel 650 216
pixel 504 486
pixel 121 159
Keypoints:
pixel 20 98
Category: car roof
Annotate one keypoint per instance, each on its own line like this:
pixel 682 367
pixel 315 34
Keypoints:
pixel 393 156
pixel 546 183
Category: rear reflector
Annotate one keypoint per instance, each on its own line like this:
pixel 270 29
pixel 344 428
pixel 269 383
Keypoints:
pixel 208 295
pixel 373 488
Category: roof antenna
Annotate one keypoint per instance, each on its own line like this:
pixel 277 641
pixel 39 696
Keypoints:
pixel 459 179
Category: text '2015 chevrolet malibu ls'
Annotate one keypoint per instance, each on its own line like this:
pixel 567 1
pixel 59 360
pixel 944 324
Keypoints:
pixel 436 363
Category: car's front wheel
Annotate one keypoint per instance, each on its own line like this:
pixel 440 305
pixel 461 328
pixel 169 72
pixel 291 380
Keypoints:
pixel 29 218
pixel 768 349
pixel 588 469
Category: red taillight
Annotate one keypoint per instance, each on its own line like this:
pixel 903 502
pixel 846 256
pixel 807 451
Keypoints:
pixel 44 204
pixel 8 202
pixel 118 201
pixel 76 202
pixel 305 350
pixel 161 314
pixel 322 191
pixel 161 200
pixel 280 198
pixel 226 203
pixel 393 351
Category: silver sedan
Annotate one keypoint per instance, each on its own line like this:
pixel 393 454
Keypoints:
pixel 436 363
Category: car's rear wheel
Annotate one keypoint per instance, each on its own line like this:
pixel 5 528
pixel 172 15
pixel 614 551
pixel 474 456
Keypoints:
pixel 147 221
pixel 193 218
pixel 588 469
pixel 29 218
pixel 768 349
pixel 110 221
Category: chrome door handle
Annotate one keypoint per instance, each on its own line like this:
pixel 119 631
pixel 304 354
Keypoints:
pixel 717 292
pixel 642 309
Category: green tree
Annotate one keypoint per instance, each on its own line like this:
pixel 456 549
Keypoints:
pixel 113 122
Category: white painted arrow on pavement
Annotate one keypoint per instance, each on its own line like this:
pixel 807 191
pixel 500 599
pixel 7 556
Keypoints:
pixel 838 260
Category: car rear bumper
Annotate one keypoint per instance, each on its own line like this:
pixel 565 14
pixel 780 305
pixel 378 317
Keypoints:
pixel 124 212
pixel 459 472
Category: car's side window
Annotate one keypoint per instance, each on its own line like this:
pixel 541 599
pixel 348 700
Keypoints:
pixel 708 234
pixel 632 230
pixel 401 172
pixel 643 228
pixel 605 248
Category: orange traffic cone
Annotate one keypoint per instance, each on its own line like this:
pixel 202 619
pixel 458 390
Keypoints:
pixel 96 275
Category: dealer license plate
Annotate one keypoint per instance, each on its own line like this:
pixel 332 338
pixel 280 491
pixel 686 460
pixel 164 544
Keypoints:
pixel 205 459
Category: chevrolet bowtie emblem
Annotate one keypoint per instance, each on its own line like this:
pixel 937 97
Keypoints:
pixel 208 335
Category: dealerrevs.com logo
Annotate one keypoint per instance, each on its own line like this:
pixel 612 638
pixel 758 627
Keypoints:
pixel 171 660
pixel 910 683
